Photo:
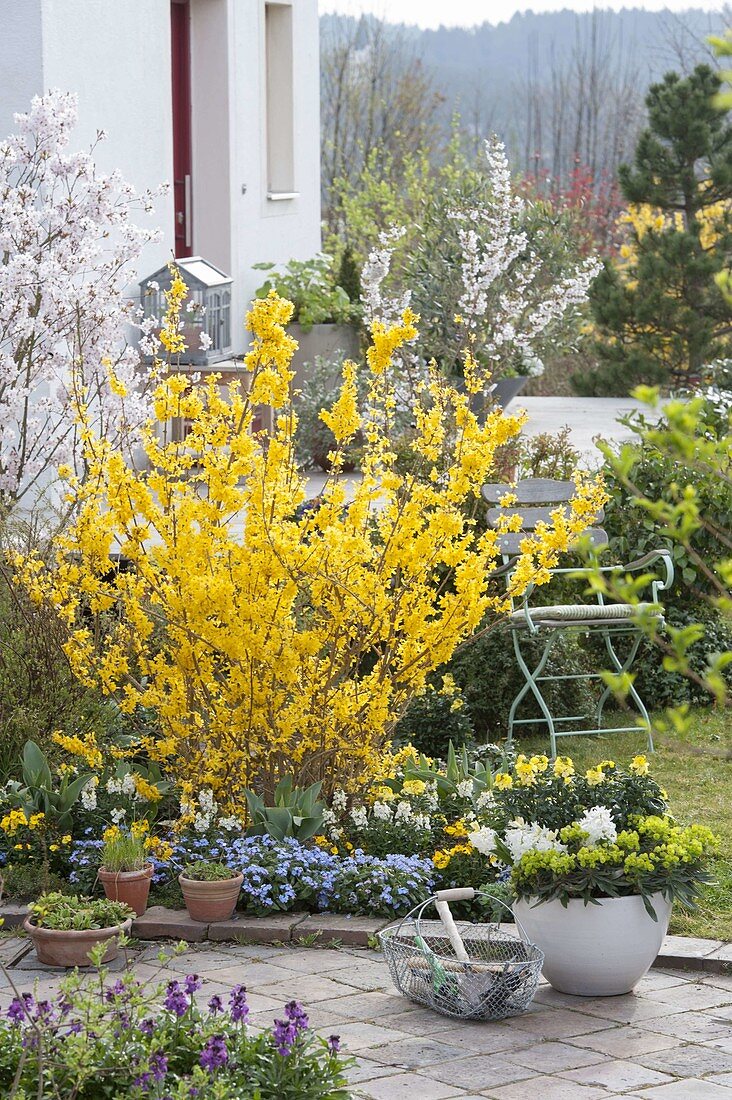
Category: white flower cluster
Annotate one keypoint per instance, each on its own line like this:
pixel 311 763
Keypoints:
pixel 464 788
pixel 69 248
pixel 484 840
pixel 125 785
pixel 503 290
pixel 599 825
pixel 377 307
pixel 526 836
pixel 88 797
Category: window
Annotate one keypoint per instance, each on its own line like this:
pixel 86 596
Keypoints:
pixel 279 102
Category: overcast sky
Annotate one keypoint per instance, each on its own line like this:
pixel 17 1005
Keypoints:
pixel 466 13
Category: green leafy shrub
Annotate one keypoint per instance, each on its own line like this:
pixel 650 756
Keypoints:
pixel 38 693
pixel 71 912
pixel 312 288
pixel 434 719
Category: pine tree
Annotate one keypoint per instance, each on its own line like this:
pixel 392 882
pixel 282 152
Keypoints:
pixel 660 314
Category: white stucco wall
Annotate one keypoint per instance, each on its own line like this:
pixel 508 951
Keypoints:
pixel 262 229
pixel 108 52
pixel 115 54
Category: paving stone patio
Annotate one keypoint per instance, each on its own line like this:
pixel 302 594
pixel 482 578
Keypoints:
pixel 671 1041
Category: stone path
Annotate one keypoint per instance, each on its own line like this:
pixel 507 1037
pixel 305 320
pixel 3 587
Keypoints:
pixel 671 1041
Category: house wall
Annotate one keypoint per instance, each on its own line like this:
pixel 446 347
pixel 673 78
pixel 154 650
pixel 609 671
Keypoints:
pixel 109 52
pixel 115 54
pixel 263 229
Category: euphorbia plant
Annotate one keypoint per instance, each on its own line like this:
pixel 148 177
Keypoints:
pixel 272 640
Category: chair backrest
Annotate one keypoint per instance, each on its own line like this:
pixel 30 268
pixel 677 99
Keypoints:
pixel 536 499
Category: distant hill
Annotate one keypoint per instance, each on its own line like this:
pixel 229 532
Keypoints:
pixel 556 86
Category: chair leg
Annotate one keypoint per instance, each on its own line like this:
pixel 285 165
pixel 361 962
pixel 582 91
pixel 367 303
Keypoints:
pixel 622 667
pixel 532 686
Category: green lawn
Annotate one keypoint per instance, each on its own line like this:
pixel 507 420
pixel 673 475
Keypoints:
pixel 697 774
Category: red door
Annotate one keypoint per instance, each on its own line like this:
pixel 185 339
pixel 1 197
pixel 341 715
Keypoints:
pixel 180 37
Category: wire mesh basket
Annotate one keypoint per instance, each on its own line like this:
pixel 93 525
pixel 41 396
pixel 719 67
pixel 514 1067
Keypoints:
pixel 466 971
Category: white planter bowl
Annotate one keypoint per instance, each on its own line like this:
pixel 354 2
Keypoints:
pixel 595 950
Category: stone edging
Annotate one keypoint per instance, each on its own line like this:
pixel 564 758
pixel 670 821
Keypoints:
pixel 677 952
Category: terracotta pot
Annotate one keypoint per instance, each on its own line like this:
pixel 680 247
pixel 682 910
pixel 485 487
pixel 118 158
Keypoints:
pixel 210 901
pixel 69 947
pixel 132 887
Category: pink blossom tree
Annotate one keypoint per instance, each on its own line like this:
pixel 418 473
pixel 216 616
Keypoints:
pixel 68 249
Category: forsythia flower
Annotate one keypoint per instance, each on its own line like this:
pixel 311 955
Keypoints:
pixel 145 790
pixel 293 634
pixel 86 748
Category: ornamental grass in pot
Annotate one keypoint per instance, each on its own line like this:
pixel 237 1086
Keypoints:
pixel 125 871
pixel 595 862
pixel 66 928
pixel 210 890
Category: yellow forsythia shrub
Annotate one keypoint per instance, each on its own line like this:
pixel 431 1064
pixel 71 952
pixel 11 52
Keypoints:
pixel 270 641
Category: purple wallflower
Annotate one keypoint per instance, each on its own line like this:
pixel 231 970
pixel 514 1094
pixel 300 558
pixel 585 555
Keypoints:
pixel 238 1007
pixel 214 1054
pixel 334 1043
pixel 215 1004
pixel 147 1026
pixel 114 991
pixel 176 1000
pixel 297 1015
pixel 75 1027
pixel 192 983
pixel 284 1035
pixel 20 1007
pixel 158 1066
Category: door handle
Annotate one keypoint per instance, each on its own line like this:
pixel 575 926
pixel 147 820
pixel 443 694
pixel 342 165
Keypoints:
pixel 187 192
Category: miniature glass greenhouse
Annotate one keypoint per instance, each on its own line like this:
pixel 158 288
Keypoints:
pixel 207 308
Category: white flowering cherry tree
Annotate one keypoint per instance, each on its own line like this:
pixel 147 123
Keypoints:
pixel 495 285
pixel 68 248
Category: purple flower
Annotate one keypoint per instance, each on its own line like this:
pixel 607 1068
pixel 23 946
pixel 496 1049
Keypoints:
pixel 192 983
pixel 43 1011
pixel 147 1026
pixel 20 1007
pixel 215 1004
pixel 114 991
pixel 284 1035
pixel 75 1027
pixel 158 1066
pixel 334 1043
pixel 297 1015
pixel 142 1082
pixel 238 1007
pixel 214 1054
pixel 176 1000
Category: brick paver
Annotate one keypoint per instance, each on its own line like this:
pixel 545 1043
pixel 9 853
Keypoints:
pixel 672 1040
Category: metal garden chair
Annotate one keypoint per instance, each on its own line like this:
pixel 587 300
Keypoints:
pixel 535 501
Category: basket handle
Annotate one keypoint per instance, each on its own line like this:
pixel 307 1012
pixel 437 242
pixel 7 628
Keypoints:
pixel 458 893
pixel 501 902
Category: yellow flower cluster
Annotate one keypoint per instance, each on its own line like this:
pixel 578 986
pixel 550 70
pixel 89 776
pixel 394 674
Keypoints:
pixel 86 747
pixel 528 769
pixel 171 336
pixel 444 856
pixel 16 819
pixel 284 644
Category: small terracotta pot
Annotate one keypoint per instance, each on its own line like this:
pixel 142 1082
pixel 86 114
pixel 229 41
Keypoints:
pixel 132 887
pixel 210 901
pixel 69 947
